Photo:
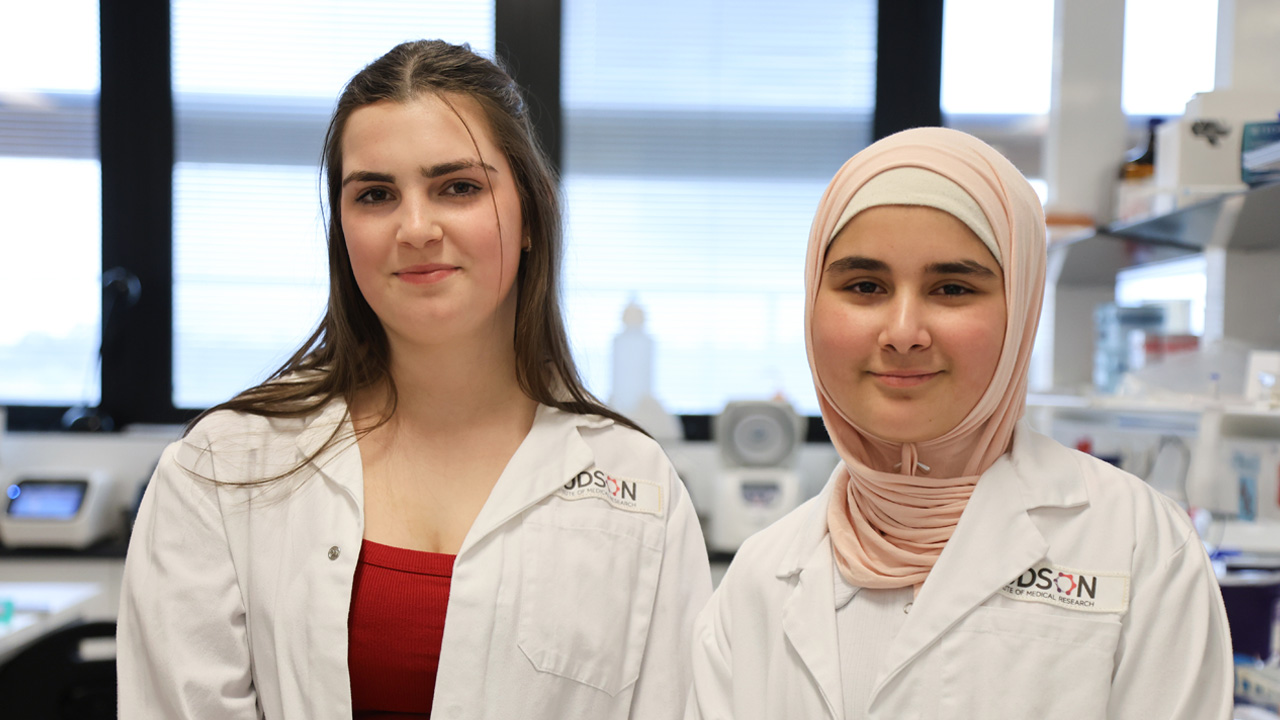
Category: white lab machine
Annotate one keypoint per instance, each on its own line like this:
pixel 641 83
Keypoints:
pixel 759 481
pixel 57 507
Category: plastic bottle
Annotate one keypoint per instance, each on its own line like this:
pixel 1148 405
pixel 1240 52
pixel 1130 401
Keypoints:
pixel 632 394
pixel 632 361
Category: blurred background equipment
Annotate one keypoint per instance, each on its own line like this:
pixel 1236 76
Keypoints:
pixel 58 508
pixel 759 481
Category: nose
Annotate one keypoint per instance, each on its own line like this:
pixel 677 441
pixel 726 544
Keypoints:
pixel 905 326
pixel 419 225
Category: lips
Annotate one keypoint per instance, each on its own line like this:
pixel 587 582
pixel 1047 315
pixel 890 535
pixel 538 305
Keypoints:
pixel 904 378
pixel 426 274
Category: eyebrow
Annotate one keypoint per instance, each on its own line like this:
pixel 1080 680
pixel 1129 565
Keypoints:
pixel 435 171
pixel 866 264
pixel 857 262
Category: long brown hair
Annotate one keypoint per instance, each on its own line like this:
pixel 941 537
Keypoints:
pixel 348 352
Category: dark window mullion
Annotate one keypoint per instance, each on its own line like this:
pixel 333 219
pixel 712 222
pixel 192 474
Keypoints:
pixel 136 139
pixel 527 39
pixel 908 66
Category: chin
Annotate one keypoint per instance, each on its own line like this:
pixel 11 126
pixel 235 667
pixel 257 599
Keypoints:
pixel 903 438
pixel 900 429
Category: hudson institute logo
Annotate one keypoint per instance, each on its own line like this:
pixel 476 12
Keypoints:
pixel 627 494
pixel 1070 588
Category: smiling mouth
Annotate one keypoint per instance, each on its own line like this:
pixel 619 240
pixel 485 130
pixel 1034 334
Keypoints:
pixel 426 275
pixel 904 379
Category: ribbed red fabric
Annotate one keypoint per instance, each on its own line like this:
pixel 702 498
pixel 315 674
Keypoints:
pixel 395 626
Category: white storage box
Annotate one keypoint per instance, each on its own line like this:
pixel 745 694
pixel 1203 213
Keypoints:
pixel 1198 155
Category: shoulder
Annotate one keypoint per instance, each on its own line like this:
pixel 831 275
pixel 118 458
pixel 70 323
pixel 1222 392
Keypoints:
pixel 604 432
pixel 229 430
pixel 624 450
pixel 779 550
pixel 1161 525
pixel 230 439
pixel 632 457
pixel 1117 501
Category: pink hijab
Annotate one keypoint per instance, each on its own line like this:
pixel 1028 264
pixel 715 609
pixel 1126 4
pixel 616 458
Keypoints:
pixel 888 526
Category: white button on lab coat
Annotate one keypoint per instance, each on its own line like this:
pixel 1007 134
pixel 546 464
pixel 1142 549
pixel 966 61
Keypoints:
pixel 765 647
pixel 235 599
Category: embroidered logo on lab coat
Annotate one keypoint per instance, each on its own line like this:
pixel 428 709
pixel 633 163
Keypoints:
pixel 1071 589
pixel 640 496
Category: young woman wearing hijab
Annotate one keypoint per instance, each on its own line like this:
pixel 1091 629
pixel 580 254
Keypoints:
pixel 958 564
pixel 423 511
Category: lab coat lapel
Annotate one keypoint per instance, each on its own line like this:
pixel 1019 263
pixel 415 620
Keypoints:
pixel 809 616
pixel 551 454
pixel 993 543
pixel 339 463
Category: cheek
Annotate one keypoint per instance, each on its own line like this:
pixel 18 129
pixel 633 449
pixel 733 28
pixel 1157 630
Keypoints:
pixel 365 257
pixel 837 341
pixel 358 254
pixel 981 342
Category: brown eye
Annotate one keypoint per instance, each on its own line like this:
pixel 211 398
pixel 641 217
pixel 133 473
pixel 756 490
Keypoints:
pixel 461 187
pixel 954 290
pixel 373 196
pixel 863 287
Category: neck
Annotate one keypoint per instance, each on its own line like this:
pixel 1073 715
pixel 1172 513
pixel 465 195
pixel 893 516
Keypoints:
pixel 932 459
pixel 450 387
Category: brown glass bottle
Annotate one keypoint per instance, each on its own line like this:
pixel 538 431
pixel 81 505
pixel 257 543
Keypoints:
pixel 1141 161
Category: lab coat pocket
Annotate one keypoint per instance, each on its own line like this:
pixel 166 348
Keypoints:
pixel 588 582
pixel 1003 662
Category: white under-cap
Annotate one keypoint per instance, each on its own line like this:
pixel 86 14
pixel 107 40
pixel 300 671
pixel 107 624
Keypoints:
pixel 917 186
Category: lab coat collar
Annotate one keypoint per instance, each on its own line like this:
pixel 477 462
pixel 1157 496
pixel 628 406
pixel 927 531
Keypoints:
pixel 812 532
pixel 340 462
pixel 1047 473
pixel 550 454
pixel 320 427
pixel 993 543
pixel 1044 474
pixel 809 623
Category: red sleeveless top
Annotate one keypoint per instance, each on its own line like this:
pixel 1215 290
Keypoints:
pixel 394 630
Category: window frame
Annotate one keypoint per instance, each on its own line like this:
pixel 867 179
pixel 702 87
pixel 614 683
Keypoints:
pixel 137 149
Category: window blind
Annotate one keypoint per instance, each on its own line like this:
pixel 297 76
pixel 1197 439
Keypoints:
pixel 254 84
pixel 50 198
pixel 699 135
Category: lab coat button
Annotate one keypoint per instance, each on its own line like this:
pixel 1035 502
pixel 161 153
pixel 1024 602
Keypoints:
pixel 334 552
pixel 907 608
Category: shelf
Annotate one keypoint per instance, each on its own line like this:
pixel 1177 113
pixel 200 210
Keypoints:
pixel 1165 416
pixel 1194 227
pixel 1094 260
pixel 1245 220
pixel 1120 404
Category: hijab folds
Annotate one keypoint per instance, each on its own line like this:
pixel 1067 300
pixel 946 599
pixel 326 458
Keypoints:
pixel 889 517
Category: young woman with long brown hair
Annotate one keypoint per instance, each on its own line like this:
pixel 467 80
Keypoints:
pixel 423 511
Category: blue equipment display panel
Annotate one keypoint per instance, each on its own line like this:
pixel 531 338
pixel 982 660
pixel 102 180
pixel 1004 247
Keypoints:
pixel 46 499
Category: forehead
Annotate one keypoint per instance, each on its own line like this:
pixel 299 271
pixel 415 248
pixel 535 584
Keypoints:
pixel 447 127
pixel 909 232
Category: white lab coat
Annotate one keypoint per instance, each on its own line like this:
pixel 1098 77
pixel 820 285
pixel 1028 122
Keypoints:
pixel 765 646
pixel 235 600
